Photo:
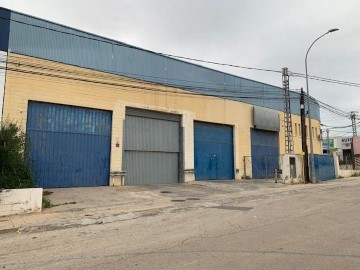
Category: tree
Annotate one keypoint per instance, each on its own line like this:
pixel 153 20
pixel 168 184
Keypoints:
pixel 14 166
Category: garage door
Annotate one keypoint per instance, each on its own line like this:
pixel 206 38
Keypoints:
pixel 264 153
pixel 69 146
pixel 214 151
pixel 151 147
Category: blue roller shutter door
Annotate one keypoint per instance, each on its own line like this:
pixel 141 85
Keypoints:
pixel 264 153
pixel 69 146
pixel 214 151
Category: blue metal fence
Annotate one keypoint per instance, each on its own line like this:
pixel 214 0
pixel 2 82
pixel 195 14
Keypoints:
pixel 324 167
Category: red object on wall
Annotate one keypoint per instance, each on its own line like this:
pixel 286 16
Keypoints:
pixel 356 144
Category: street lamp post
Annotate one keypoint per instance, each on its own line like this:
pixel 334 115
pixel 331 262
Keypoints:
pixel 312 164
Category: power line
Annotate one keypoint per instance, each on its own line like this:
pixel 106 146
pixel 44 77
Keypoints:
pixel 326 106
pixel 213 93
pixel 330 127
pixel 220 64
pixel 139 76
pixel 179 92
pixel 234 93
pixel 273 98
pixel 322 78
pixel 328 80
pixel 21 62
pixel 117 43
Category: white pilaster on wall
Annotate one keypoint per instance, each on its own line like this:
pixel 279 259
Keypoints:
pixel 3 60
pixel 188 146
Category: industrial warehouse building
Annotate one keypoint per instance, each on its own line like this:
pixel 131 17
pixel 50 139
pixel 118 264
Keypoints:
pixel 91 106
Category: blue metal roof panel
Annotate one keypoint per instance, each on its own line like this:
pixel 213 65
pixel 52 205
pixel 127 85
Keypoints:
pixel 43 39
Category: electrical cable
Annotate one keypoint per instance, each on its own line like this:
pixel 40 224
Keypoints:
pixel 235 94
pixel 117 43
pixel 122 44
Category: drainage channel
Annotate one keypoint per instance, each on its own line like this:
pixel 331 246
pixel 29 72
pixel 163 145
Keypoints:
pixel 230 207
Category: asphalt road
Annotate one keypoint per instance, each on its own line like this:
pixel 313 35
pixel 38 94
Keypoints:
pixel 317 228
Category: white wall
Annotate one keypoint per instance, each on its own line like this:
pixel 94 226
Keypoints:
pixel 3 59
pixel 19 201
pixel 348 173
pixel 285 165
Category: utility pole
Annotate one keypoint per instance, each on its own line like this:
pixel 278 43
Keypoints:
pixel 289 145
pixel 312 165
pixel 328 141
pixel 303 136
pixel 354 131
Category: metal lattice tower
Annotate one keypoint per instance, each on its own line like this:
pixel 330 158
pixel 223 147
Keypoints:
pixel 353 123
pixel 289 145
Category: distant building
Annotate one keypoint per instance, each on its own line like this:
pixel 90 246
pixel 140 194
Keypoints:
pixel 340 145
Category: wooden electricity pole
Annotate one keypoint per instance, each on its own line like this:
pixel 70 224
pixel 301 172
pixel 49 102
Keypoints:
pixel 303 136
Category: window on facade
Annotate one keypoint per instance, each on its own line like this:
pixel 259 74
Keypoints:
pixel 295 129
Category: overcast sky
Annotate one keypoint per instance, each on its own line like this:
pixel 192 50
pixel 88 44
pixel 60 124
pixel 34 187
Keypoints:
pixel 264 34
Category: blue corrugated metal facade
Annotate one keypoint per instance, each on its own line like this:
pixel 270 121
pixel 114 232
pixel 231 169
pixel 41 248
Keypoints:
pixel 214 151
pixel 4 29
pixel 324 167
pixel 39 38
pixel 68 146
pixel 264 153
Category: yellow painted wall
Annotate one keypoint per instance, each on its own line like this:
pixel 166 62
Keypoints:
pixel 35 79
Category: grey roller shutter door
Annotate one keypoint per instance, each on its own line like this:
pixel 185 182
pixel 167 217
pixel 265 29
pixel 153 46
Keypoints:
pixel 151 147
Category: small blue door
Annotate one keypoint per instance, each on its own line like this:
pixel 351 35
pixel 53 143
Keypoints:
pixel 214 151
pixel 68 146
pixel 264 153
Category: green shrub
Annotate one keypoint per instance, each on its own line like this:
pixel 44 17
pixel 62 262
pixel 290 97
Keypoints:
pixel 46 203
pixel 14 167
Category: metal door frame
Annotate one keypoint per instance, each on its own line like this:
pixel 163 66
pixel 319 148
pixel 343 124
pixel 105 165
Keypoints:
pixel 140 112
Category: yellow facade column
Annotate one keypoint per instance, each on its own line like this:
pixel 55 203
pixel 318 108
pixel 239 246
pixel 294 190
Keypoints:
pixel 118 118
